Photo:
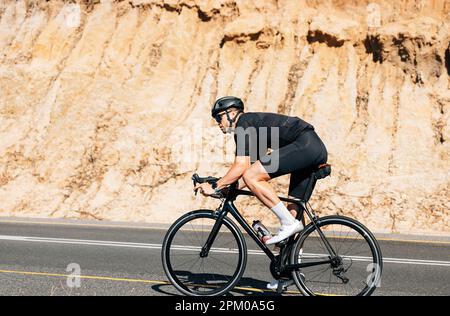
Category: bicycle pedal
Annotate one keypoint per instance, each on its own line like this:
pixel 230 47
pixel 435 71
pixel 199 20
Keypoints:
pixel 283 285
pixel 280 287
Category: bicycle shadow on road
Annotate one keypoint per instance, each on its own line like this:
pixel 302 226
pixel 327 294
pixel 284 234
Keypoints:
pixel 246 287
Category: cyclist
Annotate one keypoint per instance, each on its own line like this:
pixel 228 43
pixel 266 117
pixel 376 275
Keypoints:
pixel 295 150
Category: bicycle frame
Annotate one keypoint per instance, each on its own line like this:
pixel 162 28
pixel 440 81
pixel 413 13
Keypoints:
pixel 229 207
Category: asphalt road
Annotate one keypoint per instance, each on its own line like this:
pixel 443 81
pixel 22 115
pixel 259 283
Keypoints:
pixel 38 257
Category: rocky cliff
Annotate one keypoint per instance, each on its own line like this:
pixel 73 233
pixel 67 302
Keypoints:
pixel 104 105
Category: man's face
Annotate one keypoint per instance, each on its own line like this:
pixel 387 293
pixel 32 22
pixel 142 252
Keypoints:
pixel 223 122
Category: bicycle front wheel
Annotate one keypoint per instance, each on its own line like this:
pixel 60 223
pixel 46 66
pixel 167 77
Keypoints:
pixel 356 264
pixel 212 275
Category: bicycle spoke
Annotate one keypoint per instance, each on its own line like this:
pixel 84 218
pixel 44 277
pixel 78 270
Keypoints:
pixel 315 276
pixel 194 263
pixel 340 234
pixel 187 237
pixel 194 231
pixel 324 244
pixel 184 254
pixel 228 243
pixel 353 244
pixel 193 237
pixel 362 244
pixel 321 269
pixel 186 262
pixel 220 261
pixel 335 239
pixel 320 242
pixel 329 282
pixel 203 265
pixel 357 254
pixel 346 236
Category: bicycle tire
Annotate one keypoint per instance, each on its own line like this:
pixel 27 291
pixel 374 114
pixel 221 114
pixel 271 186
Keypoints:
pixel 166 253
pixel 376 264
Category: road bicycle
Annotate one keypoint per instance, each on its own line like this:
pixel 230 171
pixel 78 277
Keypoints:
pixel 204 253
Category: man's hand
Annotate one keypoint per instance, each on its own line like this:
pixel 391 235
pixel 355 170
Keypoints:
pixel 205 188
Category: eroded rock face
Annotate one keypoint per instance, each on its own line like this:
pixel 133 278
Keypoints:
pixel 104 105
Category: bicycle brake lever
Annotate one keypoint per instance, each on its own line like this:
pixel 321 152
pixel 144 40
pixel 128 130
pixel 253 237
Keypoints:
pixel 194 181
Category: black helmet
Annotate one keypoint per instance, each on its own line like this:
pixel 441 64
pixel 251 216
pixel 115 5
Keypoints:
pixel 225 103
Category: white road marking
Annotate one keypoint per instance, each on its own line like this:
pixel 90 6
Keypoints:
pixel 192 248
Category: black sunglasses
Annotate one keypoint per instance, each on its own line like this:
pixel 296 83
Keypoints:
pixel 218 117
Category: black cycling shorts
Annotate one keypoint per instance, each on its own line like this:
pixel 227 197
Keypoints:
pixel 298 158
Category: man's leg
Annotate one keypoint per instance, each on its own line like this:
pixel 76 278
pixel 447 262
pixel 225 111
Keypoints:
pixel 256 177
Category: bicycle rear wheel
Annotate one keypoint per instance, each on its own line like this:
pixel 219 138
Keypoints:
pixel 213 275
pixel 357 266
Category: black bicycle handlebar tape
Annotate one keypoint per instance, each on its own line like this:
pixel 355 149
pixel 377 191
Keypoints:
pixel 197 179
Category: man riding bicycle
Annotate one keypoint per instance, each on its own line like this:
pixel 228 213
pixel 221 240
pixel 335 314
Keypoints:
pixel 299 150
pixel 292 147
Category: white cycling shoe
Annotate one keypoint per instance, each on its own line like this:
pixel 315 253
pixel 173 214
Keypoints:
pixel 274 284
pixel 285 232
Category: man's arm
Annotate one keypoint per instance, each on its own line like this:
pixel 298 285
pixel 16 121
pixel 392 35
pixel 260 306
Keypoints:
pixel 241 163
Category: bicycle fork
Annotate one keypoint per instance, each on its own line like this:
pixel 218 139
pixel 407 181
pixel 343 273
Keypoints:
pixel 212 236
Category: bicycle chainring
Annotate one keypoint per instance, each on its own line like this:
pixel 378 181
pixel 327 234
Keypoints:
pixel 275 271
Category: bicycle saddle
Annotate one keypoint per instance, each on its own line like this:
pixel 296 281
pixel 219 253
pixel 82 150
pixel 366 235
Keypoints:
pixel 322 171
